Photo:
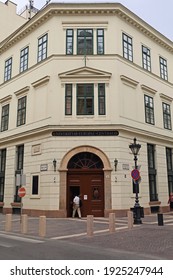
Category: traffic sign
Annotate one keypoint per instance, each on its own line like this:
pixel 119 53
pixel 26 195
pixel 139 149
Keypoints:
pixel 135 174
pixel 21 192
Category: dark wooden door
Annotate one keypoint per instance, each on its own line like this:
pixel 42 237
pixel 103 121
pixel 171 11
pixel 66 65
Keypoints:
pixel 90 184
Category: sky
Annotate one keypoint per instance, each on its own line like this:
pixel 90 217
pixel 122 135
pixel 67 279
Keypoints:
pixel 157 13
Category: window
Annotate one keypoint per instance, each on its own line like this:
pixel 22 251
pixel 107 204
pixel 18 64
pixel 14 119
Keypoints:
pixel 42 48
pixel 8 69
pixel 100 41
pixel 21 111
pixel 85 41
pixel 146 59
pixel 166 116
pixel 69 41
pixel 85 99
pixel 163 69
pixel 127 47
pixel 68 99
pixel 5 117
pixel 152 172
pixel 24 59
pixel 169 160
pixel 101 99
pixel 19 169
pixel 35 184
pixel 149 109
pixel 2 173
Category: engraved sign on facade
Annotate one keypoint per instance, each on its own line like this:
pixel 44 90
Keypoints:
pixel 43 167
pixel 86 133
pixel 125 166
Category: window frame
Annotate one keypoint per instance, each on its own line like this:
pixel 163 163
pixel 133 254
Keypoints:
pixel 102 42
pixel 149 110
pixel 42 47
pixel 68 99
pixel 24 56
pixel 166 116
pixel 35 193
pixel 8 69
pixel 128 46
pixel 21 111
pixel 101 100
pixel 163 68
pixel 84 52
pixel 72 41
pixel 146 58
pixel 85 97
pixel 5 117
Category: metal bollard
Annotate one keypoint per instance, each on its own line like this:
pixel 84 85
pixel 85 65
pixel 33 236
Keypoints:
pixel 42 226
pixel 112 222
pixel 130 219
pixel 24 223
pixel 8 222
pixel 90 225
pixel 160 219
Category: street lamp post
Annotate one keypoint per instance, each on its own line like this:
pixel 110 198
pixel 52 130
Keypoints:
pixel 137 208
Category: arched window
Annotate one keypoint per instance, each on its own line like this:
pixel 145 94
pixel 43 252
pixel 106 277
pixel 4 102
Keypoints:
pixel 85 160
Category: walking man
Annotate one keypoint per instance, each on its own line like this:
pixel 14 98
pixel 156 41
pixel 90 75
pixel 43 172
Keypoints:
pixel 76 206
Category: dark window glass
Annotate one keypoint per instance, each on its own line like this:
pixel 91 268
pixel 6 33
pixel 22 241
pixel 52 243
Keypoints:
pixel 24 59
pixel 100 41
pixel 68 99
pixel 127 47
pixel 169 160
pixel 85 41
pixel 85 99
pixel 69 41
pixel 146 59
pixel 42 47
pixel 149 109
pixel 166 116
pixel 2 173
pixel 8 69
pixel 101 99
pixel 5 117
pixel 21 111
pixel 152 172
pixel 163 69
pixel 35 182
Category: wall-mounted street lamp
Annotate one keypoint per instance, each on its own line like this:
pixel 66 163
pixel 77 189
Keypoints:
pixel 115 163
pixel 54 164
pixel 137 210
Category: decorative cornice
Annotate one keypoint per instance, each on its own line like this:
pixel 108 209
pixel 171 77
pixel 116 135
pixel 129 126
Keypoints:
pixel 54 9
pixel 128 81
pixel 41 82
pixel 166 98
pixel 148 89
pixel 21 91
pixel 6 99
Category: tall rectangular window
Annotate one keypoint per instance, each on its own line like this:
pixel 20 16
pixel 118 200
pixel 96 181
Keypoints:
pixel 149 109
pixel 101 99
pixel 85 41
pixel 69 41
pixel 35 184
pixel 8 69
pixel 2 173
pixel 169 160
pixel 152 172
pixel 146 58
pixel 21 111
pixel 166 116
pixel 127 47
pixel 19 169
pixel 5 117
pixel 100 41
pixel 42 47
pixel 24 59
pixel 85 99
pixel 68 99
pixel 163 69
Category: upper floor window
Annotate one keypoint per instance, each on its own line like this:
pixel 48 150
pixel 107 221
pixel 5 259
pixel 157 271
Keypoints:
pixel 127 47
pixel 163 69
pixel 146 58
pixel 68 99
pixel 21 111
pixel 166 116
pixel 100 41
pixel 85 99
pixel 149 109
pixel 5 117
pixel 85 41
pixel 69 41
pixel 24 59
pixel 8 69
pixel 101 99
pixel 42 48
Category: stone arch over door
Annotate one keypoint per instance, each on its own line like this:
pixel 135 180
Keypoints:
pixel 63 176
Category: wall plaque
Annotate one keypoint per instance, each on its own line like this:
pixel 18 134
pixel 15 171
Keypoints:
pixel 86 133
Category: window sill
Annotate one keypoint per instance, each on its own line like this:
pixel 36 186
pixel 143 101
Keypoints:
pixel 35 197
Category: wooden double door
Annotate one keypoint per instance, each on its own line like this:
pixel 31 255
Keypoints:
pixel 90 185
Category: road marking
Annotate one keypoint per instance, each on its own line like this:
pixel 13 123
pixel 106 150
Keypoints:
pixel 6 245
pixel 25 239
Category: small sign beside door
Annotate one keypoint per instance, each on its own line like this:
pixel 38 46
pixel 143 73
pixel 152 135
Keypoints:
pixel 85 197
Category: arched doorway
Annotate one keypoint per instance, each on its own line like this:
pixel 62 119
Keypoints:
pixel 85 176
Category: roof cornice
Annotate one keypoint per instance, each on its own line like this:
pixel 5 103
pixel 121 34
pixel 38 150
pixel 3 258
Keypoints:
pixel 110 9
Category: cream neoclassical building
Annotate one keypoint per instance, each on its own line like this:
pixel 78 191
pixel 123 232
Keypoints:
pixel 78 82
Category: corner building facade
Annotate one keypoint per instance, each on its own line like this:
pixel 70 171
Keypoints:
pixel 78 82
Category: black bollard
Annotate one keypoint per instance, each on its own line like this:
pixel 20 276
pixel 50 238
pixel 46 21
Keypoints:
pixel 160 219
